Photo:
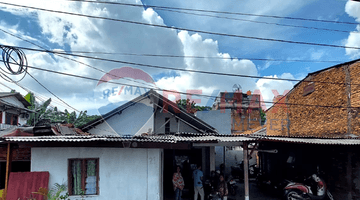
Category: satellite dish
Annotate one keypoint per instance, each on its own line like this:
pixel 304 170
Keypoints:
pixel 236 88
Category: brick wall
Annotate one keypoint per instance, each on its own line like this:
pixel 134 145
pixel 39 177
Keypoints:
pixel 317 113
pixel 19 154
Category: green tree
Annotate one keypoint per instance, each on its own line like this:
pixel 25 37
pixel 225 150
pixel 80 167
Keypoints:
pixel 41 111
pixel 54 115
pixel 263 116
pixel 191 107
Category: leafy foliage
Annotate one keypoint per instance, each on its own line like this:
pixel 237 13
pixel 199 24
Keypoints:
pixel 191 107
pixel 40 110
pixel 57 192
pixel 263 116
pixel 55 115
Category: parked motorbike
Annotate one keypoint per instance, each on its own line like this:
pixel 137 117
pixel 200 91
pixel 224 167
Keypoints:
pixel 274 187
pixel 306 190
pixel 232 187
pixel 238 171
pixel 209 189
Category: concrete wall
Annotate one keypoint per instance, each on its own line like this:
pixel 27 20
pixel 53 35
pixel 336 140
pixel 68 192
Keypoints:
pixel 175 124
pixel 136 119
pixel 221 121
pixel 131 174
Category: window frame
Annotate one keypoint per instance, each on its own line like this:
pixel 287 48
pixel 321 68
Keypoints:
pixel 11 118
pixel 83 175
pixel 167 125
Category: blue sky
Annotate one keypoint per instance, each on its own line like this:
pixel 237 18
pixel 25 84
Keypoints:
pixel 72 33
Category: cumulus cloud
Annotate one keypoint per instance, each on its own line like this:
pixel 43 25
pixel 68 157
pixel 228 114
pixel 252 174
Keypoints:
pixel 85 34
pixel 352 8
pixel 271 88
pixel 195 45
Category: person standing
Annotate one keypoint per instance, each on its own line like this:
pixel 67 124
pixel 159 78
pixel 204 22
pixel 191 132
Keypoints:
pixel 178 183
pixel 222 188
pixel 198 186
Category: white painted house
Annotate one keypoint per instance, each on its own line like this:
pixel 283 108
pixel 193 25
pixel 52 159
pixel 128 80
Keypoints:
pixel 13 110
pixel 124 156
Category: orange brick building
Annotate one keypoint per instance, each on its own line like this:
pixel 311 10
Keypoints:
pixel 324 104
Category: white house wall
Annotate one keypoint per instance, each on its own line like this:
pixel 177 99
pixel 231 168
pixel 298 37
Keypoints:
pixel 14 101
pixel 131 174
pixel 137 118
pixel 221 121
pixel 175 124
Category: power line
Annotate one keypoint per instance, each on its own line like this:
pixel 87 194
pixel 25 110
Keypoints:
pixel 27 90
pixel 178 10
pixel 5 86
pixel 169 56
pixel 177 69
pixel 185 93
pixel 217 12
pixel 204 57
pixel 21 69
pixel 187 29
pixel 52 92
pixel 43 97
pixel 261 22
pixel 67 57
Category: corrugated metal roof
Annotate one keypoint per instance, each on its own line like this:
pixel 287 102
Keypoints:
pixel 87 138
pixel 183 138
pixel 17 95
pixel 308 140
pixel 151 138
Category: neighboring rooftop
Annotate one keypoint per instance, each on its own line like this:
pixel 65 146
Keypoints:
pixel 17 95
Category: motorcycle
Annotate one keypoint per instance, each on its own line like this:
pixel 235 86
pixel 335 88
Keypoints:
pixel 232 187
pixel 274 187
pixel 238 171
pixel 300 191
pixel 209 189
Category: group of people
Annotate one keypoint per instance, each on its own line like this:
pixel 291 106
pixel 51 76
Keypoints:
pixel 178 183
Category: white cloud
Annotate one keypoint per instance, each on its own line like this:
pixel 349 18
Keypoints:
pixel 269 88
pixel 85 34
pixel 196 45
pixel 152 17
pixel 317 55
pixel 352 8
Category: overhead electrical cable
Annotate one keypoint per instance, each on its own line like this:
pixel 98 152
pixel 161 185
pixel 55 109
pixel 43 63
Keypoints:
pixel 5 86
pixel 173 56
pixel 177 69
pixel 21 63
pixel 186 29
pixel 51 92
pixel 43 98
pixel 262 22
pixel 171 91
pixel 82 63
pixel 216 11
pixel 202 57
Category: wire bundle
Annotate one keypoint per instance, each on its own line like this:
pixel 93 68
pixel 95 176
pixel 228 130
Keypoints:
pixel 11 55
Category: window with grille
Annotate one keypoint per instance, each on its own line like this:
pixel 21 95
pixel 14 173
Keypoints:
pixel 83 176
